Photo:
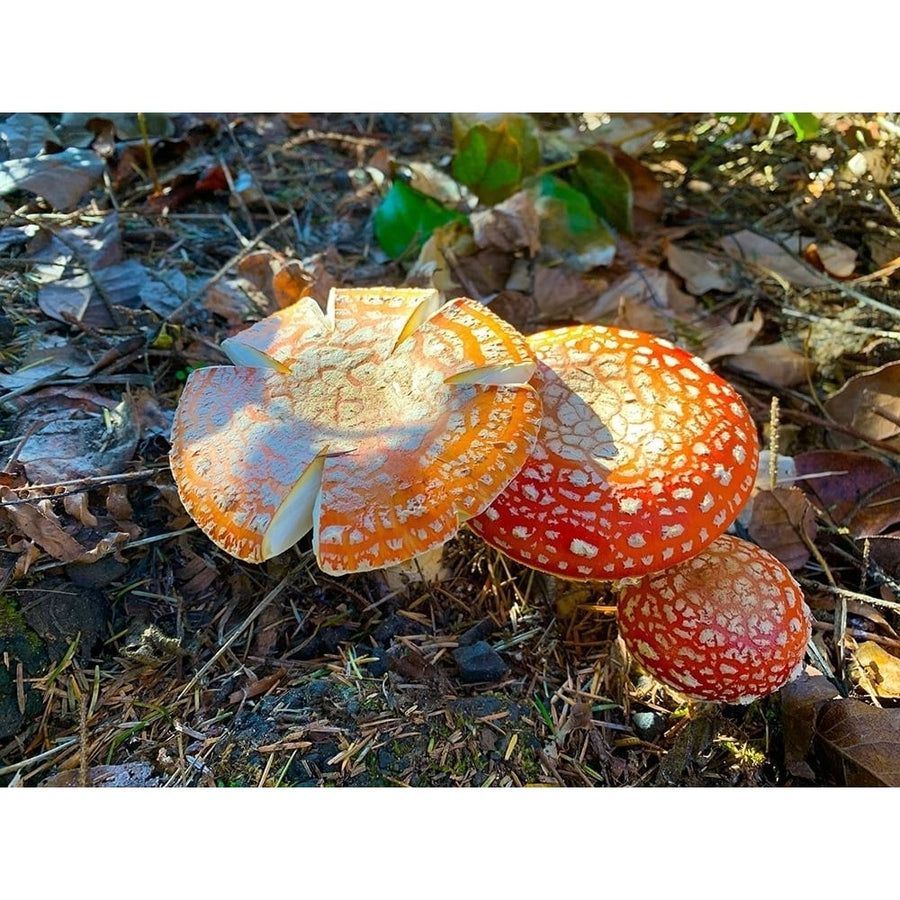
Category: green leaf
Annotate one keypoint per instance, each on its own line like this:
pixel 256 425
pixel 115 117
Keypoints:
pixel 606 186
pixel 405 219
pixel 569 226
pixel 490 163
pixel 494 154
pixel 805 125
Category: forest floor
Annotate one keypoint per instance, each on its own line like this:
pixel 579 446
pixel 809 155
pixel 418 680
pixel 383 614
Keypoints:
pixel 135 652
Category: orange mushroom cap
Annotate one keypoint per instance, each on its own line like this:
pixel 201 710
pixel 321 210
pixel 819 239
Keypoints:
pixel 729 625
pixel 645 456
pixel 379 424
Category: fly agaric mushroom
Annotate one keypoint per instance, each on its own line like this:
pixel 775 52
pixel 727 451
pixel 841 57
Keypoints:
pixel 645 456
pixel 379 424
pixel 729 625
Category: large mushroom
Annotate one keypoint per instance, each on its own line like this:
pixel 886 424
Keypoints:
pixel 728 625
pixel 380 424
pixel 645 456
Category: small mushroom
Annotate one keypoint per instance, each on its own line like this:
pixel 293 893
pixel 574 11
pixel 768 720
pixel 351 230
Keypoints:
pixel 380 424
pixel 728 625
pixel 645 456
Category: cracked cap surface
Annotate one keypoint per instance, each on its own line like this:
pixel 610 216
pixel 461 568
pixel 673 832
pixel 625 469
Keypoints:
pixel 380 424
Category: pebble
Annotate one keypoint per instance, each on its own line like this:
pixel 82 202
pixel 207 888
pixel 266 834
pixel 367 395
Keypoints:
pixel 479 662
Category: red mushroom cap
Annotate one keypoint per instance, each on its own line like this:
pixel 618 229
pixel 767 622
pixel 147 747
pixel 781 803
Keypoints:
pixel 729 625
pixel 379 424
pixel 645 456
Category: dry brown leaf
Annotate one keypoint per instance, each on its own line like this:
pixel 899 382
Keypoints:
pixel 120 511
pixel 74 434
pixel 701 271
pixel 859 743
pixel 776 364
pixel 884 549
pixel 561 293
pixel 882 669
pixel 728 339
pixel 633 132
pixel 801 700
pixel 433 266
pixel 509 226
pixel 647 199
pixel 50 358
pixel 290 283
pixel 767 255
pixel 39 524
pixel 836 258
pixel 870 404
pixel 237 301
pixel 84 297
pixel 653 289
pixel 778 519
pixel 76 505
pixel 860 492
pixel 62 179
pixel 29 554
pixel 279 278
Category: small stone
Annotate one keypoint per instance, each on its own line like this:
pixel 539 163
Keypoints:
pixel 477 632
pixel 648 725
pixel 379 664
pixel 479 662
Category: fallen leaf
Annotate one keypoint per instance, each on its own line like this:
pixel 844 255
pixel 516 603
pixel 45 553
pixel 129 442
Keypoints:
pixel 279 277
pixel 405 219
pixel 778 521
pixel 164 290
pixel 494 153
pixel 26 135
pixel 801 700
pixel 76 505
pixel 634 133
pixel 74 434
pixel 726 339
pixel 428 179
pixel 509 226
pixel 37 522
pixel 571 232
pixel 52 357
pixel 237 301
pixel 881 668
pixel 767 255
pixel 702 271
pixel 870 404
pixel 522 311
pixel 860 744
pixel 607 187
pixel 86 297
pixel 836 258
pixel 90 247
pixel 858 491
pixel 62 179
pixel 119 509
pixel 483 273
pixel 775 364
pixel 562 294
pixel 651 288
pixel 647 198
pixel 884 550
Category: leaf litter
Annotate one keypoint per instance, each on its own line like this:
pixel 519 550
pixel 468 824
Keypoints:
pixel 114 289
